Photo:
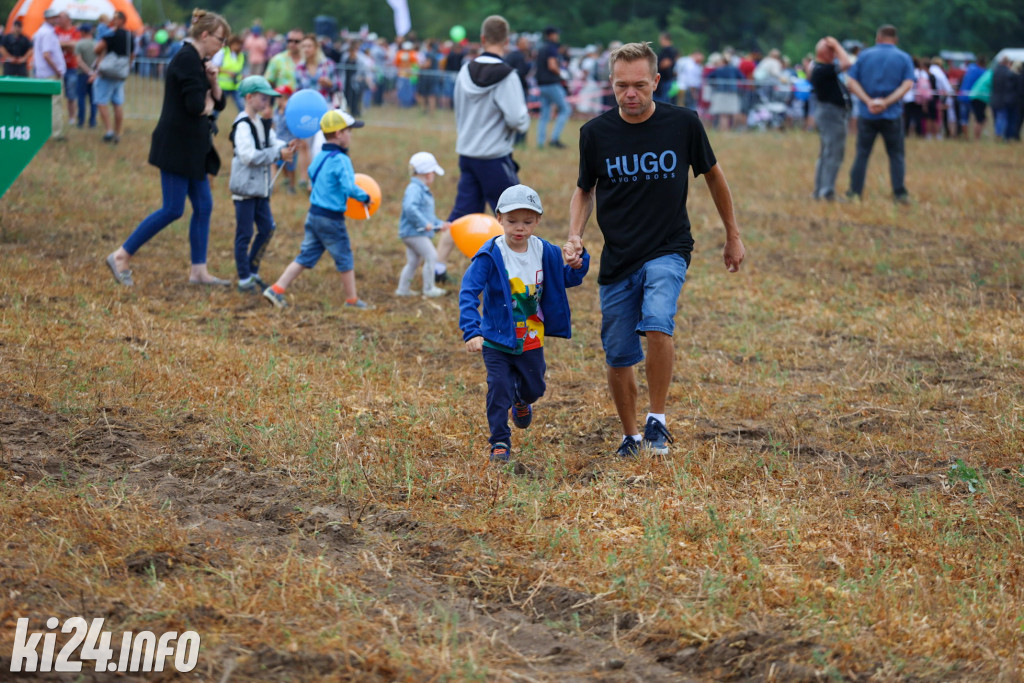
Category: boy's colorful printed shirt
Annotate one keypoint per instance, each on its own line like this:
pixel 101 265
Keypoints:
pixel 526 282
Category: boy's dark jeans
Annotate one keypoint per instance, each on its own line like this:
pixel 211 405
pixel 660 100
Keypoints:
pixel 247 213
pixel 511 378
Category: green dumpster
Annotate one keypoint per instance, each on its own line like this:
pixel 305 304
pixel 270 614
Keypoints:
pixel 25 123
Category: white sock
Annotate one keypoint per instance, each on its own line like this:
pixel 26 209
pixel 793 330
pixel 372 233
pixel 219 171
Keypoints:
pixel 660 417
pixel 635 437
pixel 440 268
pixel 246 281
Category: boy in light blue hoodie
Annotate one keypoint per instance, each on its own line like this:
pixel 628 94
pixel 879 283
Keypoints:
pixel 523 280
pixel 332 182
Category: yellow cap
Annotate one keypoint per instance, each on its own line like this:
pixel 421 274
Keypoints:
pixel 334 121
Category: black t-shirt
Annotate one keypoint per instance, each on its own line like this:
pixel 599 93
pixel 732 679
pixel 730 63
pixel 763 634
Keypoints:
pixel 667 75
pixel 543 74
pixel 826 86
pixel 119 42
pixel 640 170
pixel 16 46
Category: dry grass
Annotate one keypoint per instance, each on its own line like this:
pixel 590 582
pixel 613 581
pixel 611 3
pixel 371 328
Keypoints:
pixel 309 492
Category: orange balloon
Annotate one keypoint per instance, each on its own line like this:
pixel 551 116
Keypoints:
pixel 355 208
pixel 471 231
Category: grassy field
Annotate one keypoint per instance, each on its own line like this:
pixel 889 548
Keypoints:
pixel 308 489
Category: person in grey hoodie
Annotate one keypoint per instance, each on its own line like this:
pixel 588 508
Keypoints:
pixel 490 108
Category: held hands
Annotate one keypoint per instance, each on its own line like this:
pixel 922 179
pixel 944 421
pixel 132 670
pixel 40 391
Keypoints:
pixel 445 226
pixel 734 253
pixel 572 252
pixel 475 345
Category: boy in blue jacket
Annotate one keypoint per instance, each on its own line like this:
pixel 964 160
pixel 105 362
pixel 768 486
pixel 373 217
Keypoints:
pixel 332 182
pixel 523 280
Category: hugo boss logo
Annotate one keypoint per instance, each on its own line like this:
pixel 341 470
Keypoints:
pixel 646 166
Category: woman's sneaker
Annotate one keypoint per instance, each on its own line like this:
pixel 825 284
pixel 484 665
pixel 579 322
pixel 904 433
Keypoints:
pixel 434 292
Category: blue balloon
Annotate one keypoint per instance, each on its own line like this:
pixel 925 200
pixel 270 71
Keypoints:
pixel 303 112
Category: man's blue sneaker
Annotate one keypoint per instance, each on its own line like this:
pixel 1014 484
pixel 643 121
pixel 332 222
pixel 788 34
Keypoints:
pixel 500 452
pixel 522 415
pixel 629 448
pixel 656 437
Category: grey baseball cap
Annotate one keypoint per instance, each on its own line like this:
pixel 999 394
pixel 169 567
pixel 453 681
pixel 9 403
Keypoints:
pixel 519 197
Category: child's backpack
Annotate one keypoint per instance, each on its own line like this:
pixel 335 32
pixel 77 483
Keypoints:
pixel 256 138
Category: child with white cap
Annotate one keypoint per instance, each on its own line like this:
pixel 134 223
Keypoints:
pixel 418 224
pixel 523 280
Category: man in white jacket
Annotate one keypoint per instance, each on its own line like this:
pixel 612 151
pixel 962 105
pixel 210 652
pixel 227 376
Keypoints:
pixel 490 109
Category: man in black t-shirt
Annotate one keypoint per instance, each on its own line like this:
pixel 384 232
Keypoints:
pixel 548 73
pixel 666 68
pixel 634 162
pixel 831 114
pixel 15 51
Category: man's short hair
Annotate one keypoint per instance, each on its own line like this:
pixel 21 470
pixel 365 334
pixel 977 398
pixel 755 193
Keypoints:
pixel 633 52
pixel 887 31
pixel 494 30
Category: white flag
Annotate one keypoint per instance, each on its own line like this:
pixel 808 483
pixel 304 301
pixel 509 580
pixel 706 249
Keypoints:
pixel 403 24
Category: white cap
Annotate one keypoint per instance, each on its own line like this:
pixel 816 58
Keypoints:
pixel 50 13
pixel 424 162
pixel 519 197
pixel 407 45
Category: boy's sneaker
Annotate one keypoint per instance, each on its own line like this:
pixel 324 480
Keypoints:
pixel 434 292
pixel 500 452
pixel 522 415
pixel 441 278
pixel 359 304
pixel 273 297
pixel 629 448
pixel 249 285
pixel 259 281
pixel 656 437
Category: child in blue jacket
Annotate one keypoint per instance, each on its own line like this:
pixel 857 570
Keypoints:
pixel 332 182
pixel 523 280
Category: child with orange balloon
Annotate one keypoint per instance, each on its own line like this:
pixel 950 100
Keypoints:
pixel 332 182
pixel 523 280
pixel 418 224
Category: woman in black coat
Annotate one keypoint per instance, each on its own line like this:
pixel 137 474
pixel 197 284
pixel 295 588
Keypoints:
pixel 182 148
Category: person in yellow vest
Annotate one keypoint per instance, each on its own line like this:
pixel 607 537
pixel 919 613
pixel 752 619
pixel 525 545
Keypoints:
pixel 232 70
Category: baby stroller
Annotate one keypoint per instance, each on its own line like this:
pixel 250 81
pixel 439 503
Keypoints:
pixel 768 111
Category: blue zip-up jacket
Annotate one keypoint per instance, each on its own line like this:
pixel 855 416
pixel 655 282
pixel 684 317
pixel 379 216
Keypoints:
pixel 335 182
pixel 487 274
pixel 418 211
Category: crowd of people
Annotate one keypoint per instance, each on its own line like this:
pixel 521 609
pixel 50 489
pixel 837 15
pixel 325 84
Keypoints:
pixel 637 151
pixel 730 89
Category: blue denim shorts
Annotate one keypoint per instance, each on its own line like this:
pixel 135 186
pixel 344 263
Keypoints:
pixel 644 301
pixel 106 91
pixel 325 234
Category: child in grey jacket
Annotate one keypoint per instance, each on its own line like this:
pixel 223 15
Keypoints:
pixel 418 224
pixel 257 148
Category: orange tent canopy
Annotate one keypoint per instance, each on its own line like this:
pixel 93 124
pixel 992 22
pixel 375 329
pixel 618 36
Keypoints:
pixel 31 12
